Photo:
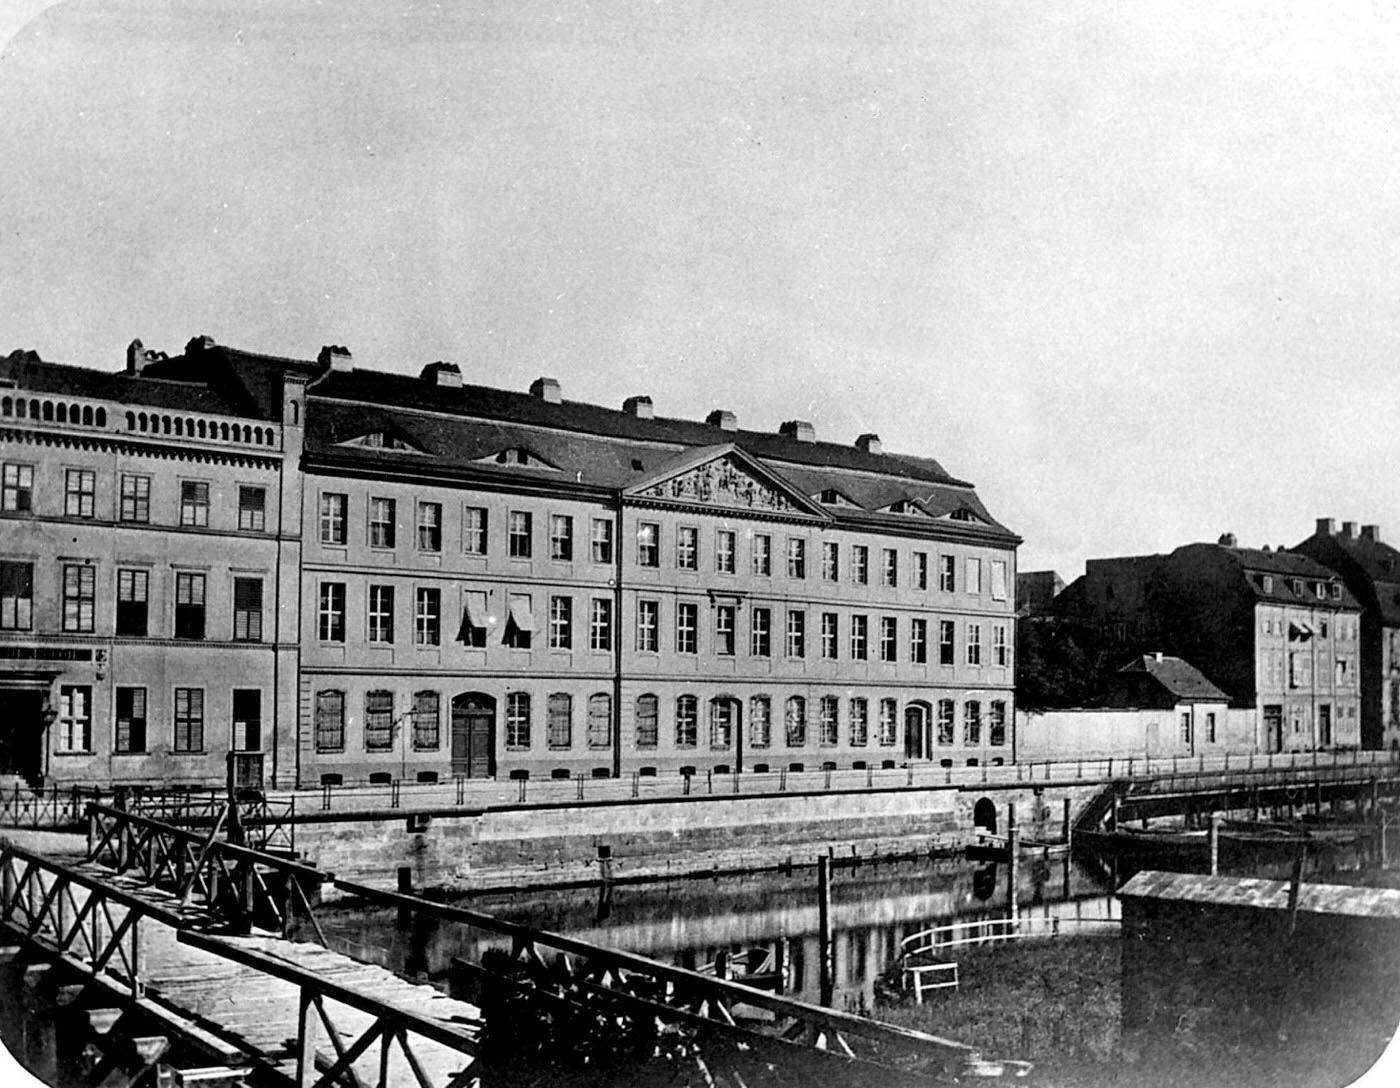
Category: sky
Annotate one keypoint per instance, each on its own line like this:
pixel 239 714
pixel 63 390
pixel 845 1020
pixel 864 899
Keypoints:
pixel 1131 268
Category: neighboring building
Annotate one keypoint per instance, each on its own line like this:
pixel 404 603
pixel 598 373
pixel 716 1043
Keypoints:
pixel 488 584
pixel 1154 706
pixel 1371 570
pixel 1036 589
pixel 1277 631
pixel 148 531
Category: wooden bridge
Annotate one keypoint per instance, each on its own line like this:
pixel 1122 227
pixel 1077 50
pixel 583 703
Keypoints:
pixel 174 956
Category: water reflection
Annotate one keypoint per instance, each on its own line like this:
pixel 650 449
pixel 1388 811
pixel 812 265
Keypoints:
pixel 691 922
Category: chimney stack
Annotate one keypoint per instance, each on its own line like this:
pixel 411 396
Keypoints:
pixel 547 389
pixel 1326 526
pixel 638 406
pixel 869 443
pixel 1371 533
pixel 138 357
pixel 198 344
pixel 725 421
pixel 337 357
pixel 448 375
pixel 1228 540
pixel 799 429
pixel 1348 529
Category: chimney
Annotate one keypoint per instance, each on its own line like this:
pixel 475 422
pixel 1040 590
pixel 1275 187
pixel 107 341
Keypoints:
pixel 336 357
pixel 1371 533
pixel 1326 526
pixel 869 443
pixel 447 375
pixel 1228 540
pixel 1157 656
pixel 799 429
pixel 725 421
pixel 638 406
pixel 198 344
pixel 547 389
pixel 138 357
pixel 1348 529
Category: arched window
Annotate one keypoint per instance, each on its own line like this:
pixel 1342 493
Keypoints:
pixel 223 431
pixel 131 421
pixel 166 425
pixel 21 409
pixel 296 412
pixel 559 724
pixel 687 711
pixel 645 727
pixel 247 434
pixel 87 415
pixel 179 427
pixel 75 414
pixel 721 722
pixel 62 412
pixel 34 410
pixel 200 426
pixel 7 406
pixel 600 720
pixel 796 721
pixel 102 417
pixel 972 722
pixel 760 721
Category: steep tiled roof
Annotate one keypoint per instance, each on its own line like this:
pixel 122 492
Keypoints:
pixel 34 375
pixel 1180 678
pixel 1377 562
pixel 1282 568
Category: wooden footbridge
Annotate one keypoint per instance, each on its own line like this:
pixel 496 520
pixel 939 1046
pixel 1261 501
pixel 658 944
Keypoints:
pixel 176 957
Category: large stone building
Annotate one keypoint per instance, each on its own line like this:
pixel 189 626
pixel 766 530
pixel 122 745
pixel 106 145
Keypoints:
pixel 1277 631
pixel 1371 570
pixel 463 581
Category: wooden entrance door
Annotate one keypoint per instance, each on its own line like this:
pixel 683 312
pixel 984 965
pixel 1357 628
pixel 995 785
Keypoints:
pixel 22 733
pixel 474 736
pixel 916 731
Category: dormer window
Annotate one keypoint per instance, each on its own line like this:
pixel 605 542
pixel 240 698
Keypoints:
pixel 1266 581
pixel 516 455
pixel 1336 591
pixel 1320 589
pixel 904 506
pixel 830 496
pixel 962 514
pixel 382 440
pixel 1297 586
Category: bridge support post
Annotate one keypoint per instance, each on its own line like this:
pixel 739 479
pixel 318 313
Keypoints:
pixel 1013 847
pixel 1215 844
pixel 1068 828
pixel 827 948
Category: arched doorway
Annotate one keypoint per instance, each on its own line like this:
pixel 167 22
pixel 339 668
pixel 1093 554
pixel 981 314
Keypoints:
pixel 984 815
pixel 727 727
pixel 916 731
pixel 473 735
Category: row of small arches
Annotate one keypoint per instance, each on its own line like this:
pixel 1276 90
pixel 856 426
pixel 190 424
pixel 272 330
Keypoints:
pixel 184 427
pixel 82 415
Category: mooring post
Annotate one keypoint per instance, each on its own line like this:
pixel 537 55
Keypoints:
pixel 1113 812
pixel 1068 833
pixel 1013 849
pixel 1215 844
pixel 828 949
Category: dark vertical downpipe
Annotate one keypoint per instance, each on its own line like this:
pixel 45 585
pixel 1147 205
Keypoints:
pixel 617 637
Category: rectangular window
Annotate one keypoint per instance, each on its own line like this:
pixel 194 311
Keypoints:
pixel 889 638
pixel 79 493
pixel 561 623
pixel 828 721
pixel 247 609
pixel 1001 650
pixel 194 503
pixel 518 721
pixel 520 624
pixel 796 633
pixel 974 644
pixel 74 723
pixel 1299 670
pixel 476 620
pixel 1210 727
pixel 1186 728
pixel 996 723
pixel 648 626
pixel 761 633
pixel 687 547
pixel 559 721
pixel 133 588
pixel 600 624
pixel 760 722
pixel 687 628
pixel 972 576
pixel 474 530
pixel 762 554
pixel 860 637
pixel 860 564
pixel 381 614
pixel 383 517
pixel 724 551
pixel 889 723
pixel 427 617
pixel 972 723
pixel 795 722
pixel 889 567
pixel 602 540
pixel 831 561
pixel 645 728
pixel 918 641
pixel 725 623
pixel 252 509
pixel 945 642
pixel 687 715
pixel 599 731
pixel 16 596
pixel 135 498
pixel 427 714
pixel 79 597
pixel 796 557
pixel 131 721
pixel 246 735
pixel 860 723
pixel 330 721
pixel 17 489
pixel 189 719
pixel 946 724
pixel 921 570
pixel 648 544
pixel 998 575
pixel 947 578
pixel 721 724
pixel 430 526
pixel 379 721
pixel 829 635
pixel 189 606
pixel 561 538
pixel 333 518
pixel 330 612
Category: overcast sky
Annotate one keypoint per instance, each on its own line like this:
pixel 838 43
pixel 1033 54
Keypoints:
pixel 1130 268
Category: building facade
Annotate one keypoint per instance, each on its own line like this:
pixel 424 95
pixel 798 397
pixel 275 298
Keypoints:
pixel 1371 570
pixel 148 532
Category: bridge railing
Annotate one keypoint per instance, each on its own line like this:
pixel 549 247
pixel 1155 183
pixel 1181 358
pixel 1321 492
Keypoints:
pixel 55 807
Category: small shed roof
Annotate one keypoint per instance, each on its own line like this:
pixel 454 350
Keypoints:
pixel 1232 891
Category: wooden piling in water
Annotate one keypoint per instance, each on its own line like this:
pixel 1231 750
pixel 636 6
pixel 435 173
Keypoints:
pixel 1215 844
pixel 827 946
pixel 1013 849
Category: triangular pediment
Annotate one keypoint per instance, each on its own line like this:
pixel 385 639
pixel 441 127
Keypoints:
pixel 965 514
pixel 517 457
pixel 725 476
pixel 382 438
